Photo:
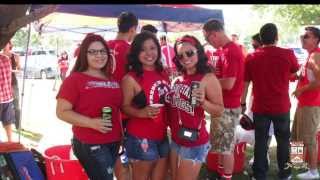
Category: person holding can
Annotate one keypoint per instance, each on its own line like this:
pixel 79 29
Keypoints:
pixel 144 88
pixel 90 99
pixel 195 91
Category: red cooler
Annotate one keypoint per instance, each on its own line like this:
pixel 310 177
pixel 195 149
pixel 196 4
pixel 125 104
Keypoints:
pixel 60 167
pixel 239 159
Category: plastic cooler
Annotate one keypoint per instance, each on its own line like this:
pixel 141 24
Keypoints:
pixel 59 166
pixel 239 159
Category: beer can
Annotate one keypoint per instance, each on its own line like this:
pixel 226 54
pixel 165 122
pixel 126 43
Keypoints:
pixel 193 99
pixel 107 114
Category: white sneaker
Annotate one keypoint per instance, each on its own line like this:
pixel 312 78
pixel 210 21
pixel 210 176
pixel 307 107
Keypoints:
pixel 251 161
pixel 308 175
pixel 288 178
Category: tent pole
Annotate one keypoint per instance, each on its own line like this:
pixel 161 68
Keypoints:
pixel 23 82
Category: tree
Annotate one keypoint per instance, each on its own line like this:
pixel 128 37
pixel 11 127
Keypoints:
pixel 14 17
pixel 20 39
pixel 290 18
pixel 294 15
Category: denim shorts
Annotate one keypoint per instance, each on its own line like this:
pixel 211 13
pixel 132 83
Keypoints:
pixel 197 153
pixel 97 159
pixel 145 149
pixel 7 114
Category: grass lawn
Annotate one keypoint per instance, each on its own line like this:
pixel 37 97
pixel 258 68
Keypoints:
pixel 272 173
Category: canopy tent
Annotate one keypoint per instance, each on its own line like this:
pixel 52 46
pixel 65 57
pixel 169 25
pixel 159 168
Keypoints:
pixel 170 17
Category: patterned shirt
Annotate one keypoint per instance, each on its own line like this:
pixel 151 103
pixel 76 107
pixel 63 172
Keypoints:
pixel 6 94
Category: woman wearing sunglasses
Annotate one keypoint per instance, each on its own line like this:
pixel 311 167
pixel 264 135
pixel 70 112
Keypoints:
pixel 82 96
pixel 144 89
pixel 190 139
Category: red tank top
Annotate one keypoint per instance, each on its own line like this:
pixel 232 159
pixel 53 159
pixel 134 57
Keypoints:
pixel 190 117
pixel 311 97
pixel 155 87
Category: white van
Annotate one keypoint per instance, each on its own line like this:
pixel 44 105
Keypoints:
pixel 41 64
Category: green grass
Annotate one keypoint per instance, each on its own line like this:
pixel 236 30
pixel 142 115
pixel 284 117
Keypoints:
pixel 272 173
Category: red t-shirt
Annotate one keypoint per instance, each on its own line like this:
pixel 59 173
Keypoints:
pixel 190 117
pixel 155 86
pixel 269 69
pixel 119 50
pixel 88 95
pixel 63 64
pixel 310 97
pixel 231 65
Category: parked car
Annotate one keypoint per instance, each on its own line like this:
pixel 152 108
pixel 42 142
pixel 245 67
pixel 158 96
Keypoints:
pixel 301 54
pixel 41 64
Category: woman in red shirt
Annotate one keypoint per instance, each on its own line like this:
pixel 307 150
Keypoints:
pixel 190 139
pixel 82 96
pixel 63 63
pixel 144 87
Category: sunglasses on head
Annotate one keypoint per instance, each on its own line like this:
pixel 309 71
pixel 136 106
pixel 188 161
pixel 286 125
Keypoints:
pixel 189 54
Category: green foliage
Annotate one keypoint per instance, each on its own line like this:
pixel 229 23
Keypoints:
pixel 289 18
pixel 293 15
pixel 48 41
pixel 20 39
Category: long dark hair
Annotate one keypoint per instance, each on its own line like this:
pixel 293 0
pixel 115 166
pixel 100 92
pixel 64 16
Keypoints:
pixel 134 63
pixel 82 60
pixel 202 66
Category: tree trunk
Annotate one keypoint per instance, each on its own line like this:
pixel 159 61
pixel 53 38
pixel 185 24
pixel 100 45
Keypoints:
pixel 14 17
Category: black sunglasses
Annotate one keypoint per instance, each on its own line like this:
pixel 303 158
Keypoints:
pixel 189 54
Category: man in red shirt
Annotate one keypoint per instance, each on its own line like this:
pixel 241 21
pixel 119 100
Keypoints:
pixel 230 75
pixel 306 120
pixel 269 69
pixel 127 28
pixel 119 47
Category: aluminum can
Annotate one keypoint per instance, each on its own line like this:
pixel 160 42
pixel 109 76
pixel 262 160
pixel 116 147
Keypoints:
pixel 193 99
pixel 107 114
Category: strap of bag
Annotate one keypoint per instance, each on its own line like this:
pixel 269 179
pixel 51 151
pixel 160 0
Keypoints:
pixel 180 121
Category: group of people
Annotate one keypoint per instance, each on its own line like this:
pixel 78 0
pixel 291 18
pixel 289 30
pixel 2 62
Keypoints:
pixel 271 102
pixel 159 122
pixel 9 90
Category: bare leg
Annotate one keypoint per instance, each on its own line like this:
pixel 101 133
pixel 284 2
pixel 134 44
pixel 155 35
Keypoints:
pixel 313 157
pixel 122 172
pixel 160 171
pixel 188 170
pixel 228 162
pixel 173 164
pixel 8 129
pixel 142 170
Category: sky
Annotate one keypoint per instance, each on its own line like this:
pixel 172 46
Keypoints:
pixel 229 12
pixel 237 18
